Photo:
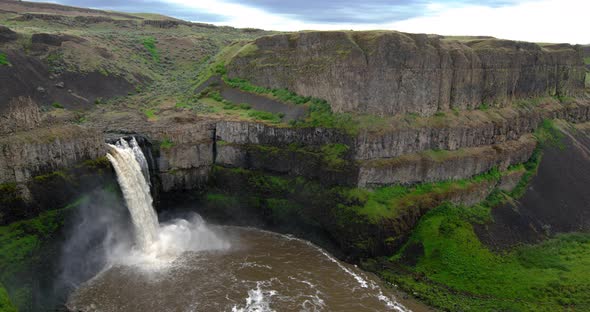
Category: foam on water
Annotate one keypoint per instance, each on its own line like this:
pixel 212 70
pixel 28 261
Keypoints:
pixel 390 303
pixel 258 300
pixel 156 245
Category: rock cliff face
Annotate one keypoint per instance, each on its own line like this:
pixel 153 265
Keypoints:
pixel 26 154
pixel 21 113
pixel 444 165
pixel 477 129
pixel 388 73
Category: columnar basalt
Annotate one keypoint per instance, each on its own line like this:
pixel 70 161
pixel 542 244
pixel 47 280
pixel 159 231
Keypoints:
pixel 388 73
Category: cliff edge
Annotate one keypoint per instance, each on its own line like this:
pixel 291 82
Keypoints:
pixel 389 73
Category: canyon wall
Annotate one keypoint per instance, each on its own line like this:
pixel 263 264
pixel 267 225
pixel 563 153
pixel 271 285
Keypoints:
pixel 388 73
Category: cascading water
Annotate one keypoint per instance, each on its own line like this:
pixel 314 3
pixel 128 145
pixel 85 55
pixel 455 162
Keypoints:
pixel 156 244
pixel 127 161
pixel 140 157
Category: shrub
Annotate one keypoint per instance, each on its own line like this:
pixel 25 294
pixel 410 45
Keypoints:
pixel 150 113
pixel 166 144
pixel 548 135
pixel 57 105
pixel 275 118
pixel 216 96
pixel 150 45
pixel 182 105
pixel 3 59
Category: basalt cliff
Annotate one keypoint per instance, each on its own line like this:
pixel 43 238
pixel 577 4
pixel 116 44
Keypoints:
pixel 355 140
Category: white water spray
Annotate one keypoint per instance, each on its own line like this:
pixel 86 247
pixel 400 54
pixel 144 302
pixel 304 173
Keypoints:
pixel 136 190
pixel 157 244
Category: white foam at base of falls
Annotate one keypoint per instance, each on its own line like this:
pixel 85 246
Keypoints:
pixel 155 245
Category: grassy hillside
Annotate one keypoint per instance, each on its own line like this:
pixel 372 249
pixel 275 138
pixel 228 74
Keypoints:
pixel 160 57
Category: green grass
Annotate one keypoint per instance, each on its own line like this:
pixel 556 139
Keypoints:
pixel 166 144
pixel 19 243
pixel 50 176
pixel 319 111
pixel 455 271
pixel 57 105
pixel 5 304
pixel 387 202
pixel 266 116
pixel 551 276
pixel 548 134
pixel 182 105
pixel 333 154
pixel 221 200
pixel 4 59
pixel 150 113
pixel 281 94
pixel 149 43
pixel 483 106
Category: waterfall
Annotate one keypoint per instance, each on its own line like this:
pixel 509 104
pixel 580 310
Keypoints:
pixel 140 157
pixel 133 175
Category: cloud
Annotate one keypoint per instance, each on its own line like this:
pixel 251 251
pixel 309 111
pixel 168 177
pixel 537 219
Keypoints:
pixel 164 7
pixel 527 20
pixel 354 11
pixel 536 21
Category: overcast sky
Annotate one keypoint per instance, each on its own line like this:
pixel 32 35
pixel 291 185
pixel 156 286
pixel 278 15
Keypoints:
pixel 539 21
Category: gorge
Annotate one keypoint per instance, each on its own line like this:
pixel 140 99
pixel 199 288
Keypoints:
pixel 191 166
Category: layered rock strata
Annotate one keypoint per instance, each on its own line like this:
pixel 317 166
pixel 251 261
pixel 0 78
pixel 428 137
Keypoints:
pixel 389 73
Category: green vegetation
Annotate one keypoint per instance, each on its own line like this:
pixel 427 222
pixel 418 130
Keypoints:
pixel 587 60
pixel 320 115
pixel 150 113
pixel 149 44
pixel 281 94
pixel 333 154
pixel 445 263
pixel 19 246
pixel 248 50
pixel 51 176
pixel 3 59
pixel 389 201
pixel 483 106
pixel 182 105
pixel 549 135
pixel 267 116
pixel 57 105
pixel 455 271
pixel 55 61
pixel 5 304
pixel 532 102
pixel 222 200
pixel 243 110
pixel 564 98
pixel 166 144
pixel 9 192
pixel 100 162
pixel 319 111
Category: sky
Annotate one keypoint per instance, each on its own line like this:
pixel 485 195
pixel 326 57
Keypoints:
pixel 539 21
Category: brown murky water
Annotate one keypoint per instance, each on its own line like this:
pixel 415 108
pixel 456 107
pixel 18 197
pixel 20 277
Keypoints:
pixel 262 271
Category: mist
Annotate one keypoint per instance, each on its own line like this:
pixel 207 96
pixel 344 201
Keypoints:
pixel 96 230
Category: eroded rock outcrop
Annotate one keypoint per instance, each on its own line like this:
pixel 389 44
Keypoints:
pixel 477 129
pixel 6 34
pixel 388 73
pixel 26 154
pixel 20 114
pixel 445 165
